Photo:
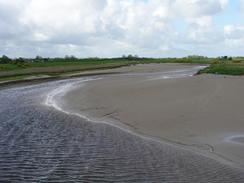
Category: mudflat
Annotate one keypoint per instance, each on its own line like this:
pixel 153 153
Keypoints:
pixel 205 112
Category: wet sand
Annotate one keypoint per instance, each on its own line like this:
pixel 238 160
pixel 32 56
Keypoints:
pixel 203 112
pixel 42 141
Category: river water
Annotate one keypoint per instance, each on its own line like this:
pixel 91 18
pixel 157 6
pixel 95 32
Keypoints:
pixel 39 143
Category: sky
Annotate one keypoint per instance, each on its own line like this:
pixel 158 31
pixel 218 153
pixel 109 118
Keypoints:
pixel 112 28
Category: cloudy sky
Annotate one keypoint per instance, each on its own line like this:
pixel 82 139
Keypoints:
pixel 108 28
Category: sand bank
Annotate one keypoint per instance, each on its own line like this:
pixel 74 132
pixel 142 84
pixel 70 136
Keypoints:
pixel 204 111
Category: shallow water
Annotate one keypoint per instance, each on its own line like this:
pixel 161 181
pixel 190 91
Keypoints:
pixel 40 144
pixel 236 139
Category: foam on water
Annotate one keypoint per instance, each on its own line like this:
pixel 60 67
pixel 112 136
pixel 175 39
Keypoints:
pixel 235 139
pixel 182 73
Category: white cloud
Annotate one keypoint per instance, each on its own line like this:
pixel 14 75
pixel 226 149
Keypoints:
pixel 50 17
pixel 198 8
pixel 234 32
pixel 198 11
pixel 107 27
pixel 242 6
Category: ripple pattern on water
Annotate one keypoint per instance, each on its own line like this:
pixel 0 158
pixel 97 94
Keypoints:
pixel 39 144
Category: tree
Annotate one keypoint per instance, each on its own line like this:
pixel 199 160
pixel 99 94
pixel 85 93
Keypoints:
pixel 5 59
pixel 130 57
pixel 225 57
pixel 20 59
pixel 196 57
pixel 38 57
pixel 70 58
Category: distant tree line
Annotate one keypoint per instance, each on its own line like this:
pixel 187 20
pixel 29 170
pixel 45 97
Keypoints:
pixel 130 57
pixel 196 57
pixel 225 58
pixel 5 59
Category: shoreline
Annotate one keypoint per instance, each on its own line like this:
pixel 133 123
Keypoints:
pixel 32 80
pixel 60 92
pixel 14 83
pixel 28 78
pixel 83 150
pixel 98 111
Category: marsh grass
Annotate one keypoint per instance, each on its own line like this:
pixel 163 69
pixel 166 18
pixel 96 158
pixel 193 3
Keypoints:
pixel 230 68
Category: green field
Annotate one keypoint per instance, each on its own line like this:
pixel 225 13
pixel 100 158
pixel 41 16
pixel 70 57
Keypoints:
pixel 230 68
pixel 86 63
pixel 19 69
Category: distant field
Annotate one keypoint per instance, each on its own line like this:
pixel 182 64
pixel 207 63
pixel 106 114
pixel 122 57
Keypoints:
pixel 25 65
pixel 55 66
pixel 18 70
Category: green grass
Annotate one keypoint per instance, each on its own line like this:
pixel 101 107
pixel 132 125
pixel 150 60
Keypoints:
pixel 20 66
pixel 55 68
pixel 8 67
pixel 59 62
pixel 58 66
pixel 231 68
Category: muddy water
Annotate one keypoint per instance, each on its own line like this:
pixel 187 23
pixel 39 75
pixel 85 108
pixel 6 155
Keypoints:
pixel 38 143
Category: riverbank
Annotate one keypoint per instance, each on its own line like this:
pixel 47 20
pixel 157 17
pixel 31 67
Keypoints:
pixel 40 143
pixel 43 74
pixel 204 112
pixel 20 69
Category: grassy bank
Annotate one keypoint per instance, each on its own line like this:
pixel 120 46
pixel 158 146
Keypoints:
pixel 60 68
pixel 20 68
pixel 230 68
pixel 15 65
pixel 16 68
